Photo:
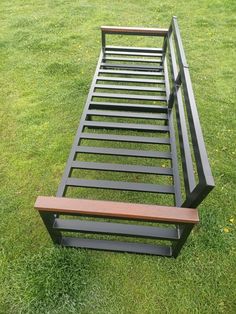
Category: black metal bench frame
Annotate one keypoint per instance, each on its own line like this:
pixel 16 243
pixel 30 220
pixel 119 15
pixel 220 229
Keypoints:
pixel 175 98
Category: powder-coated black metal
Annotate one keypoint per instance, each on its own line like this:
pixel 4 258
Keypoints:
pixel 128 230
pixel 165 87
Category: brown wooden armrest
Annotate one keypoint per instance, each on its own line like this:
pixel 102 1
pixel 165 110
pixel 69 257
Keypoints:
pixel 134 30
pixel 63 205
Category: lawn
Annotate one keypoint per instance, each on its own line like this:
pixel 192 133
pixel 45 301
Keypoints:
pixel 49 51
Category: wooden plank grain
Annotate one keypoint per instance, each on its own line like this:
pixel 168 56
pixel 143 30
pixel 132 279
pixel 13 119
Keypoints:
pixel 65 205
pixel 134 30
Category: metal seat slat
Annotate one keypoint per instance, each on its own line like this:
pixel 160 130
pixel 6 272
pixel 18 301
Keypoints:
pixel 121 168
pixel 130 88
pixel 126 53
pixel 125 138
pixel 123 152
pixel 129 96
pixel 128 107
pixel 117 246
pixel 135 73
pixel 127 126
pixel 134 60
pixel 136 115
pixel 120 185
pixel 73 225
pixel 134 49
pixel 130 66
pixel 130 80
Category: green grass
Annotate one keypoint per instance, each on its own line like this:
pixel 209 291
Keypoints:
pixel 49 51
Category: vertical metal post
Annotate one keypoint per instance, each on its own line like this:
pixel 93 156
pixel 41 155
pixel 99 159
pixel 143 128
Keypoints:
pixel 103 45
pixel 178 199
pixel 48 219
pixel 184 233
pixel 164 48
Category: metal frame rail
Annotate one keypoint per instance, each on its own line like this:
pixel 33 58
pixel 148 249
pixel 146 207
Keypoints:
pixel 136 83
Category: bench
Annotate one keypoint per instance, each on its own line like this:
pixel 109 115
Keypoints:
pixel 145 84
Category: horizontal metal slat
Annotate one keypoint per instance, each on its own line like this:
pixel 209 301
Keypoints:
pixel 129 96
pixel 135 49
pixel 72 225
pixel 123 152
pixel 125 53
pixel 128 107
pixel 130 80
pixel 135 115
pixel 138 31
pixel 139 73
pixel 121 168
pixel 134 60
pixel 117 246
pixel 130 88
pixel 127 66
pixel 121 185
pixel 126 126
pixel 126 138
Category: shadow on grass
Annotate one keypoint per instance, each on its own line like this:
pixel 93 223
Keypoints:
pixel 51 281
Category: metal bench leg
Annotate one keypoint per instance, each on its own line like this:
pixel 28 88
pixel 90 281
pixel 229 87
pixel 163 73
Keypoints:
pixel 49 219
pixel 185 231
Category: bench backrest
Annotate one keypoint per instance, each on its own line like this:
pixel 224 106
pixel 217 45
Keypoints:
pixel 196 172
pixel 181 98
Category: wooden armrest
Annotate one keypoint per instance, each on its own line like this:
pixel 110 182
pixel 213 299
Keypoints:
pixel 63 205
pixel 134 30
